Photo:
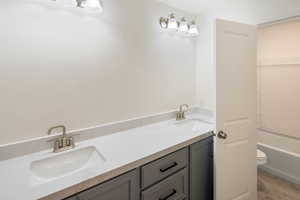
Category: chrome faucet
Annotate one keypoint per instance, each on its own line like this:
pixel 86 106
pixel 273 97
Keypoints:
pixel 62 143
pixel 183 108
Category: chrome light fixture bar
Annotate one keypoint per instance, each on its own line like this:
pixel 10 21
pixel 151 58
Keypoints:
pixel 182 26
pixel 94 5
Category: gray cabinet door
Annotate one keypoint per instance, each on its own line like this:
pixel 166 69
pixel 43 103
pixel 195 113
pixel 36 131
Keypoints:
pixel 201 170
pixel 124 187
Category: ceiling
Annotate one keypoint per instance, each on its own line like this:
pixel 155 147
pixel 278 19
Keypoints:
pixel 247 11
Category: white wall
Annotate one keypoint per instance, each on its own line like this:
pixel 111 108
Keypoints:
pixel 205 64
pixel 244 11
pixel 64 66
pixel 279 85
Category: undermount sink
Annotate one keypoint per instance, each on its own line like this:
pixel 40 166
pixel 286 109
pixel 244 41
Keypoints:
pixel 187 121
pixel 195 123
pixel 67 162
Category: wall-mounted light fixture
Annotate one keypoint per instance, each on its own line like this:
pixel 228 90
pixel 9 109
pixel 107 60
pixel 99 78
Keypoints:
pixel 182 26
pixel 90 4
pixel 94 5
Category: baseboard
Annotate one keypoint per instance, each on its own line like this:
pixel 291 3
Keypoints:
pixel 281 174
pixel 281 163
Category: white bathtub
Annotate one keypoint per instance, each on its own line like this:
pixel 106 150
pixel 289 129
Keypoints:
pixel 281 163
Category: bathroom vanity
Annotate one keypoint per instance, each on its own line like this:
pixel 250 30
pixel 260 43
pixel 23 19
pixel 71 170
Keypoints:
pixel 166 160
pixel 183 174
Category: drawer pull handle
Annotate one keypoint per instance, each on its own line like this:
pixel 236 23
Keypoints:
pixel 169 195
pixel 174 164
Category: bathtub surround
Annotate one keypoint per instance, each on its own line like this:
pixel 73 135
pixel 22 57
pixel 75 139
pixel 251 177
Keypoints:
pixel 61 66
pixel 279 71
pixel 278 97
pixel 279 141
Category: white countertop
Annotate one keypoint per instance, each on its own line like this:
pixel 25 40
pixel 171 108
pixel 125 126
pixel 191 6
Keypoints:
pixel 119 149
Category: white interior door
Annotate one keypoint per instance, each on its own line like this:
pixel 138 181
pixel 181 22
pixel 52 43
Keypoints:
pixel 236 174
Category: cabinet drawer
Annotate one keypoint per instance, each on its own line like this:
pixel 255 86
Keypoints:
pixel 163 167
pixel 174 187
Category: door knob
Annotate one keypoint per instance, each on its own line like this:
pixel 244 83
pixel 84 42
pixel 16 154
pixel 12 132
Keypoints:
pixel 222 135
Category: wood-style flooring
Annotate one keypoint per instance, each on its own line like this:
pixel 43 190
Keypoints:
pixel 273 188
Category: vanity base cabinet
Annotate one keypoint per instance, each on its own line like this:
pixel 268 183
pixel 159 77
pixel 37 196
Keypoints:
pixel 186 174
pixel 201 170
pixel 124 187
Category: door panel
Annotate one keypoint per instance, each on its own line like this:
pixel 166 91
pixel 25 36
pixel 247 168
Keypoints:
pixel 235 111
pixel 239 130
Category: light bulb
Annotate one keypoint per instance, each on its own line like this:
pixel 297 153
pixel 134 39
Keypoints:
pixel 183 26
pixel 90 4
pixel 163 22
pixel 173 24
pixel 193 31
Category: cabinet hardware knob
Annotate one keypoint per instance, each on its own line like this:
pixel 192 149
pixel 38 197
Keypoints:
pixel 222 135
